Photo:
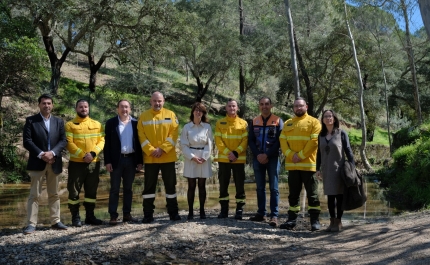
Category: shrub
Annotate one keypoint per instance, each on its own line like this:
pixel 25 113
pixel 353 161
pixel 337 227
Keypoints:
pixel 408 186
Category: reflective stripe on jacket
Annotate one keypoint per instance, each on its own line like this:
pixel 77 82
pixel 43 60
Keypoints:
pixel 158 129
pixel 84 135
pixel 300 135
pixel 231 134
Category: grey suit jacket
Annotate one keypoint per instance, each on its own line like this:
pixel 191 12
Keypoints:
pixel 35 139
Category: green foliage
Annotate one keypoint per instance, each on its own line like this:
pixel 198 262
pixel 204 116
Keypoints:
pixel 409 135
pixel 407 177
pixel 21 66
pixel 12 164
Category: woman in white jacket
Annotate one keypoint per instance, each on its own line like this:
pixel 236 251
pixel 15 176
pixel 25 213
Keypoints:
pixel 196 144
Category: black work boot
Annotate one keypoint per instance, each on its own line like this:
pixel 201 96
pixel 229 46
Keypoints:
pixel 147 218
pixel 174 216
pixel 315 222
pixel 90 219
pixel 291 221
pixel 239 211
pixel 224 209
pixel 76 219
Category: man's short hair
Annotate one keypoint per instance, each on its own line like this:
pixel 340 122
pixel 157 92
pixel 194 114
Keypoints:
pixel 121 100
pixel 231 99
pixel 47 96
pixel 300 98
pixel 79 101
pixel 264 97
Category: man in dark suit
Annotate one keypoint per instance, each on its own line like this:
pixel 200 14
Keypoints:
pixel 44 137
pixel 123 156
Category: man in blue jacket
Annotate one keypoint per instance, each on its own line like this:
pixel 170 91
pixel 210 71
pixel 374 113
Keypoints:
pixel 263 139
pixel 123 156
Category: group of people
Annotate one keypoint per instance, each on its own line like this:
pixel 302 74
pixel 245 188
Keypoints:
pixel 129 145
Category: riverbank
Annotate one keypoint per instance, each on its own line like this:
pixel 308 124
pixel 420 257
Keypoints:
pixel 403 239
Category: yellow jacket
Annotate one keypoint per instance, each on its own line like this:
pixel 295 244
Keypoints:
pixel 231 134
pixel 158 129
pixel 84 135
pixel 300 135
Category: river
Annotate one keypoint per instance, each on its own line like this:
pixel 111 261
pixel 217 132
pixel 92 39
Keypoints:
pixel 13 202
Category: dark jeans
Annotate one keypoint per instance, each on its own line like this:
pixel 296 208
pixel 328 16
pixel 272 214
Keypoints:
pixel 168 174
pixel 272 168
pixel 224 175
pixel 126 170
pixel 83 174
pixel 296 179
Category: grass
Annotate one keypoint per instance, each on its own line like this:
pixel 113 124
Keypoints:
pixel 380 137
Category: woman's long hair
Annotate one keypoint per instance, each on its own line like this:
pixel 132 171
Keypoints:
pixel 202 108
pixel 324 130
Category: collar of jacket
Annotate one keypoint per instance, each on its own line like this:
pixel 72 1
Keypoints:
pixel 79 119
pixel 155 112
pixel 301 118
pixel 230 119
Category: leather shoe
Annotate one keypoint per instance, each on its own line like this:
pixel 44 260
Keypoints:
pixel 59 226
pixel 190 216
pixel 113 221
pixel 129 218
pixel 258 218
pixel 29 230
pixel 273 221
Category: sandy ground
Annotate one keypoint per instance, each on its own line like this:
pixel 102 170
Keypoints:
pixel 402 239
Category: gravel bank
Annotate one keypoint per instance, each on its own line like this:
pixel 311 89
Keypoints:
pixel 399 240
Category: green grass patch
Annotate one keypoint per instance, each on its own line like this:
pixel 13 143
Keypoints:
pixel 380 137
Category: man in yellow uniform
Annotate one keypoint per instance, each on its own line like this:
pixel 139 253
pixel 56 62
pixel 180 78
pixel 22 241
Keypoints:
pixel 299 144
pixel 85 140
pixel 231 139
pixel 158 131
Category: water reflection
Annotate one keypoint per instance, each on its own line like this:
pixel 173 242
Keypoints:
pixel 13 201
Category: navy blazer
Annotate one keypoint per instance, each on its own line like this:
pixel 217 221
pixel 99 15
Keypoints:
pixel 35 139
pixel 112 149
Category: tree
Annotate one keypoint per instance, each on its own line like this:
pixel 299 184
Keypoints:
pixel 208 43
pixel 425 14
pixel 293 41
pixel 21 64
pixel 360 97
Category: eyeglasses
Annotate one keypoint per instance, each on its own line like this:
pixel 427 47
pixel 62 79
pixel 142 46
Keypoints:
pixel 328 117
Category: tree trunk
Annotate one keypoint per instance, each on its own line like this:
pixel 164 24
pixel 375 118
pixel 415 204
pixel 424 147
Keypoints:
pixel 387 110
pixel 242 92
pixel 200 89
pixel 55 63
pixel 370 114
pixel 305 75
pixel 425 14
pixel 361 90
pixel 94 68
pixel 410 52
pixel 292 49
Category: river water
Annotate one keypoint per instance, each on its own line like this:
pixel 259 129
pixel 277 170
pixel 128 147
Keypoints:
pixel 13 201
